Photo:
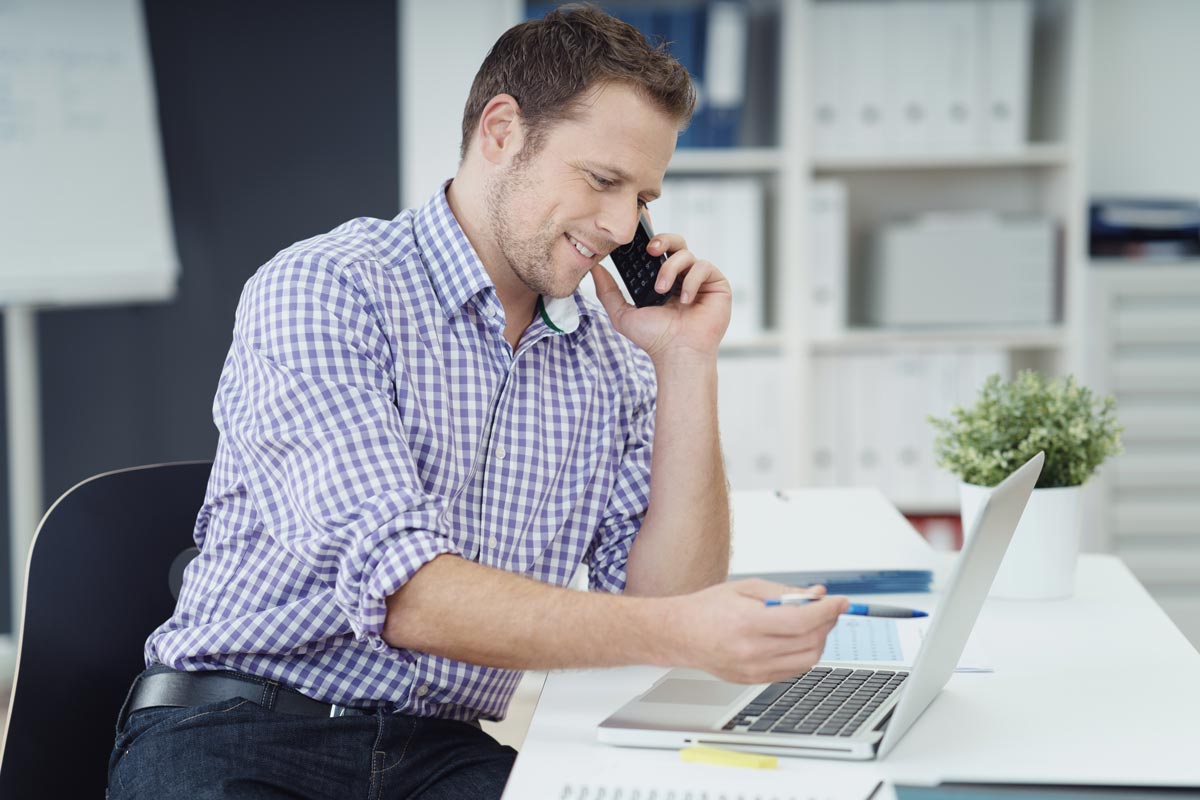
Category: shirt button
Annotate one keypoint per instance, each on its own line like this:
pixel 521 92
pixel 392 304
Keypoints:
pixel 500 451
pixel 422 690
pixel 493 542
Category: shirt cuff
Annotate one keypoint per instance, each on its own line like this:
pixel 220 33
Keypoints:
pixel 606 569
pixel 610 580
pixel 396 562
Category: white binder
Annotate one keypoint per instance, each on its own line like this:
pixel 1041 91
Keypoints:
pixel 915 65
pixel 862 403
pixel 954 84
pixel 1006 34
pixel 867 78
pixel 830 109
pixel 829 452
pixel 722 221
pixel 751 414
pixel 910 450
pixel 827 272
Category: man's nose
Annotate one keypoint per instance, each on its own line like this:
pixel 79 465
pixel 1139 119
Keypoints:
pixel 620 220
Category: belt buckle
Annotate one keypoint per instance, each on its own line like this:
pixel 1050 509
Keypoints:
pixel 338 711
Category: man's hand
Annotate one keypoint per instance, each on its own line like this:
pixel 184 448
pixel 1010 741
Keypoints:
pixel 726 631
pixel 692 323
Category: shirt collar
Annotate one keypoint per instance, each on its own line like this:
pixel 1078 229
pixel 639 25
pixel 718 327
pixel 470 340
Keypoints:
pixel 454 267
pixel 458 275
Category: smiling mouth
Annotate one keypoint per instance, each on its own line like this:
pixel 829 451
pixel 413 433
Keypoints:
pixel 580 246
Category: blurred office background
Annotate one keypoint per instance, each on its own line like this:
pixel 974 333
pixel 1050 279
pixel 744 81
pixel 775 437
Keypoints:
pixel 840 145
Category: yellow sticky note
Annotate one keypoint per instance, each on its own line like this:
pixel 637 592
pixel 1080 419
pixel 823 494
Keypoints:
pixel 727 758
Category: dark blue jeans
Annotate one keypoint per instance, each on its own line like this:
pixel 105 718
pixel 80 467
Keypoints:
pixel 237 749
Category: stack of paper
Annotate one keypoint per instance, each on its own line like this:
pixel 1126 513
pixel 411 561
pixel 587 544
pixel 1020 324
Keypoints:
pixel 803 537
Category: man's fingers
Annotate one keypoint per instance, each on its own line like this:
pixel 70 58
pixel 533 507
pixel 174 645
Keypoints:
pixel 818 616
pixel 700 273
pixel 679 262
pixel 662 243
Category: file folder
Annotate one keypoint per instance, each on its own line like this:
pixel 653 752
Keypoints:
pixel 852 540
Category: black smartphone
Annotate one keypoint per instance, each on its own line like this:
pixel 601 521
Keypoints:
pixel 638 268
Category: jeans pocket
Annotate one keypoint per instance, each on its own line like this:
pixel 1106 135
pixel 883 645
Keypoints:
pixel 137 723
pixel 169 717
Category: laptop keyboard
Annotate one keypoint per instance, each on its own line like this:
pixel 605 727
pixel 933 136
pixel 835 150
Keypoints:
pixel 821 702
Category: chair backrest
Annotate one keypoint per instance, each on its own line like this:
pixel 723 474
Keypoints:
pixel 99 581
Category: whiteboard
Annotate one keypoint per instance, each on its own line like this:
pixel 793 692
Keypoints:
pixel 83 198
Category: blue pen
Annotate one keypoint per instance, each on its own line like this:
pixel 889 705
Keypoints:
pixel 857 609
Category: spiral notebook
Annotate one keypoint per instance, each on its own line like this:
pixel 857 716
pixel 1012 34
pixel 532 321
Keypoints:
pixel 744 789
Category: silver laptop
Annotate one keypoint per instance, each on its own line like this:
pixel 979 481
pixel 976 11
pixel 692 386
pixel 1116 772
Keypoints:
pixel 835 710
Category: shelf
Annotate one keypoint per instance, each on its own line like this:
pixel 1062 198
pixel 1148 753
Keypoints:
pixel 1145 265
pixel 700 161
pixel 1034 155
pixel 766 343
pixel 1031 338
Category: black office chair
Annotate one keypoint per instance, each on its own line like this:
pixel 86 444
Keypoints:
pixel 105 570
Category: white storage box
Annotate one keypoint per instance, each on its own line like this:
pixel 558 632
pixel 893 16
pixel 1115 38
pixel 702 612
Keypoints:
pixel 962 269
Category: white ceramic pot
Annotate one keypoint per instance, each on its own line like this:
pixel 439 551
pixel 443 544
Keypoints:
pixel 1040 561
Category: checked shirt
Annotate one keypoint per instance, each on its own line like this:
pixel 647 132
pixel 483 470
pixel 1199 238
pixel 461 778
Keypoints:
pixel 371 416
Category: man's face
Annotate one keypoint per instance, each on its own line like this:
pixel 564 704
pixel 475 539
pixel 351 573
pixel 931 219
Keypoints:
pixel 554 215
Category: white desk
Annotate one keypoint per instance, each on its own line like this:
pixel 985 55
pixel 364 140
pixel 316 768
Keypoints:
pixel 1098 688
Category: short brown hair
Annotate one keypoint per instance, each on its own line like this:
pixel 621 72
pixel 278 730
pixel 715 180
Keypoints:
pixel 548 64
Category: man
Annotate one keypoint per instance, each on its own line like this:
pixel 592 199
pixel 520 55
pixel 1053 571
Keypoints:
pixel 425 429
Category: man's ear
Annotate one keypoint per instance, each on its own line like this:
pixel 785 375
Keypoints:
pixel 501 131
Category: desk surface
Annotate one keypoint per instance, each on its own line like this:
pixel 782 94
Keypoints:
pixel 1098 688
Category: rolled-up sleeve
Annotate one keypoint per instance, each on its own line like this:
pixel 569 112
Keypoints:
pixel 306 402
pixel 609 551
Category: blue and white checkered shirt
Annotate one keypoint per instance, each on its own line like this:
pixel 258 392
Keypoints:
pixel 371 417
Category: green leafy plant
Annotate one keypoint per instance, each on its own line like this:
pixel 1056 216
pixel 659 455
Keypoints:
pixel 1012 420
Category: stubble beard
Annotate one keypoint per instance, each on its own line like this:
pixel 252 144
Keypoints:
pixel 530 258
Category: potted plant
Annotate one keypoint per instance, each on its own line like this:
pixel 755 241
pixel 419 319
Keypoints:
pixel 1008 424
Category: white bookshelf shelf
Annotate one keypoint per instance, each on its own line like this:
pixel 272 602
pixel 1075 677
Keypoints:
pixel 769 343
pixel 737 160
pixel 1033 155
pixel 1032 338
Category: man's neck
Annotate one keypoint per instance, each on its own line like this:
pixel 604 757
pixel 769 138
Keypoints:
pixel 518 300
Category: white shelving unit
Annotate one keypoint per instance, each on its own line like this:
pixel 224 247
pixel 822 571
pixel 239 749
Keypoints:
pixel 1042 177
pixel 1144 348
pixel 769 420
pixel 1033 155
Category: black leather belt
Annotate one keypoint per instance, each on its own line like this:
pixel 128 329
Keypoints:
pixel 173 688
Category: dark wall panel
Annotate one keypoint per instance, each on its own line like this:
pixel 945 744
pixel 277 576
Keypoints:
pixel 279 122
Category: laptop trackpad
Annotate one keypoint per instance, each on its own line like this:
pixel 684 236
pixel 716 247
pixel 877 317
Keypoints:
pixel 706 693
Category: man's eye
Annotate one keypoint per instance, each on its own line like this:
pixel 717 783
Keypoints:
pixel 602 182
pixel 641 203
